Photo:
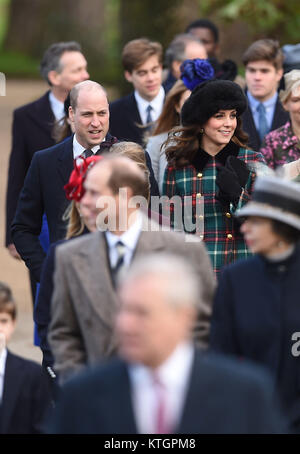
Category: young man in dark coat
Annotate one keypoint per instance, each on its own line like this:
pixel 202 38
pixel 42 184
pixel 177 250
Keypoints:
pixel 24 393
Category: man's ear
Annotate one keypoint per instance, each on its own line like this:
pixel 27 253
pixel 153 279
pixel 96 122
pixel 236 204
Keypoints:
pixel 54 78
pixel 128 76
pixel 71 114
pixel 279 74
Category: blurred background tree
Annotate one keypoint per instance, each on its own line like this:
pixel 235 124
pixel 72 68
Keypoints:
pixel 28 27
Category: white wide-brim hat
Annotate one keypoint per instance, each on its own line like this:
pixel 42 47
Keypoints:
pixel 274 198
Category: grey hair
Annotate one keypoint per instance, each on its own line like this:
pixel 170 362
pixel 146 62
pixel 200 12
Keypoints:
pixel 52 56
pixel 182 284
pixel 89 84
pixel 176 49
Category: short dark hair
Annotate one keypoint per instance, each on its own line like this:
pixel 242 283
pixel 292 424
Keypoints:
pixel 176 49
pixel 264 49
pixel 286 232
pixel 204 23
pixel 7 302
pixel 137 51
pixel 52 56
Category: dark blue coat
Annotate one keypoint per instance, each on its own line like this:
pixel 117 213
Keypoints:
pixel 31 131
pixel 124 120
pixel 222 397
pixel 255 313
pixel 26 397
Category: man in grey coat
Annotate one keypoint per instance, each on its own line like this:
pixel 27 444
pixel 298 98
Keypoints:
pixel 85 302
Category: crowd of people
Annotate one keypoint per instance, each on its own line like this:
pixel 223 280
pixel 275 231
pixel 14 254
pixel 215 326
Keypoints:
pixel 161 233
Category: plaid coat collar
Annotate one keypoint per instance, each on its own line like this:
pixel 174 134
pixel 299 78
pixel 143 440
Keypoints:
pixel 201 158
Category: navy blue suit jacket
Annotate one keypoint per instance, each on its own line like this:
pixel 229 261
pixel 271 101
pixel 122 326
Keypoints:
pixel 43 192
pixel 280 117
pixel 26 397
pixel 255 313
pixel 223 397
pixel 125 118
pixel 31 131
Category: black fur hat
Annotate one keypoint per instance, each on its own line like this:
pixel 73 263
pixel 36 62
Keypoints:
pixel 210 97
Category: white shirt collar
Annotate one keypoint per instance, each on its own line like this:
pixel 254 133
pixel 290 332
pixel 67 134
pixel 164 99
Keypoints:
pixel 3 356
pixel 57 107
pixel 79 149
pixel 128 238
pixel 156 104
pixel 175 370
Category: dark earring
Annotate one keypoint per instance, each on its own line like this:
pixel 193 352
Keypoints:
pixel 201 131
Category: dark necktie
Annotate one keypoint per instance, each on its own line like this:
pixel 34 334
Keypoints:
pixel 88 153
pixel 149 116
pixel 262 120
pixel 119 267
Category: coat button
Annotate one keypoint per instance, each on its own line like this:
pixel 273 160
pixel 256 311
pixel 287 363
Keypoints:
pixel 199 175
pixel 229 236
pixel 228 215
pixel 198 195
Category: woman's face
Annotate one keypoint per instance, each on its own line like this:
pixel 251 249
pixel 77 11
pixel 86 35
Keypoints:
pixel 219 129
pixel 292 105
pixel 260 237
pixel 184 96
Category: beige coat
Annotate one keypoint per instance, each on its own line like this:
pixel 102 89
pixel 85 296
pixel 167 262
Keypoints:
pixel 84 301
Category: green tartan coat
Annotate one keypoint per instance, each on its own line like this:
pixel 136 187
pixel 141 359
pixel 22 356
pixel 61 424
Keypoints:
pixel 196 209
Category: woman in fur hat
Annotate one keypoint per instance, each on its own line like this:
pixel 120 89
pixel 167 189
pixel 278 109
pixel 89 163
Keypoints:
pixel 211 169
pixel 256 312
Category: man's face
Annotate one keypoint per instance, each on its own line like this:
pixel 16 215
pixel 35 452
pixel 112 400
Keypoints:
pixel 99 204
pixel 147 78
pixel 7 327
pixel 208 40
pixel 148 327
pixel 91 117
pixel 262 79
pixel 73 70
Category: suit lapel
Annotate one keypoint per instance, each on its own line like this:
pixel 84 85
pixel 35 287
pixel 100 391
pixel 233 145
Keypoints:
pixel 65 161
pixel 42 114
pixel 250 128
pixel 280 116
pixel 124 418
pixel 12 386
pixel 91 264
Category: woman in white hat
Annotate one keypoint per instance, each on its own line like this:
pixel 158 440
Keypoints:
pixel 256 312
pixel 282 146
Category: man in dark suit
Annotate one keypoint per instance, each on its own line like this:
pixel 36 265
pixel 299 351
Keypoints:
pixel 49 171
pixel 63 65
pixel 24 392
pixel 142 62
pixel 161 384
pixel 264 69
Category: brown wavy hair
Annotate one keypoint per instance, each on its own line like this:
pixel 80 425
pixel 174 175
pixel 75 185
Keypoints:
pixel 75 225
pixel 183 143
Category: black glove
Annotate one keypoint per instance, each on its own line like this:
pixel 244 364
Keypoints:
pixel 240 168
pixel 229 187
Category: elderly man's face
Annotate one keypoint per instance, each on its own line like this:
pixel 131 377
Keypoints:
pixel 148 327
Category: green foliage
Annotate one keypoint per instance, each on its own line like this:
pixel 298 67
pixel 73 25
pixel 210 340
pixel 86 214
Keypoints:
pixel 19 65
pixel 280 18
pixel 3 18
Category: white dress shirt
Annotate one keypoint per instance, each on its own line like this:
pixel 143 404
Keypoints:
pixel 156 104
pixel 3 356
pixel 128 238
pixel 174 373
pixel 78 149
pixel 57 107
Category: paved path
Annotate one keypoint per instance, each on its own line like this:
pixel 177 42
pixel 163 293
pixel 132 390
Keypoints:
pixel 12 271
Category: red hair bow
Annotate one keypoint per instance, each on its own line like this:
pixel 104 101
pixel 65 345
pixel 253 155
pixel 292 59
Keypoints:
pixel 74 188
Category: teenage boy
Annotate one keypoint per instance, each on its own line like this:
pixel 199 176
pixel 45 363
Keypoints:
pixel 24 392
pixel 142 62
pixel 263 61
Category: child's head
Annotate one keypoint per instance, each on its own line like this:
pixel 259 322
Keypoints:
pixel 8 313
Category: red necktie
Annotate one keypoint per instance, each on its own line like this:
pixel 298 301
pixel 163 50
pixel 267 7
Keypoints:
pixel 161 425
